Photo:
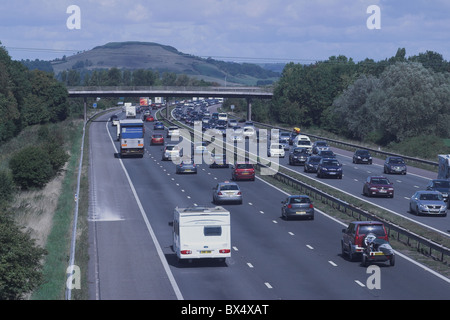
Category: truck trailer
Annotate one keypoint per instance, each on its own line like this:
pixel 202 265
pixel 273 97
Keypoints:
pixel 201 232
pixel 131 137
pixel 444 166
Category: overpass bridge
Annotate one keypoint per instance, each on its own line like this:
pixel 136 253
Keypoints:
pixel 248 93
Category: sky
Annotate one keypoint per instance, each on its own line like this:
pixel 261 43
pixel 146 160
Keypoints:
pixel 257 31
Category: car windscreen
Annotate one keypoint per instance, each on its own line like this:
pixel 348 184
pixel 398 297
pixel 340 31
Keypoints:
pixel 442 184
pixel 330 163
pixel 430 196
pixel 380 181
pixel 396 161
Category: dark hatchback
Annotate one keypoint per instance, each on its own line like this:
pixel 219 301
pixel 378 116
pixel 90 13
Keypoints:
pixel 395 165
pixel 297 206
pixel 298 156
pixel 329 167
pixel 362 156
pixel 312 163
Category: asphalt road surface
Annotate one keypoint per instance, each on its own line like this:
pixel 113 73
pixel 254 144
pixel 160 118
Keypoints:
pixel 132 202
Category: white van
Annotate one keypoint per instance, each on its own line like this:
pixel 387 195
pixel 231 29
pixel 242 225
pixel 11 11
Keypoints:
pixel 303 141
pixel 223 116
pixel 201 232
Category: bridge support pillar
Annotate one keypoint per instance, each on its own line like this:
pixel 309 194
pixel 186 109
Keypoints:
pixel 166 99
pixel 85 109
pixel 249 109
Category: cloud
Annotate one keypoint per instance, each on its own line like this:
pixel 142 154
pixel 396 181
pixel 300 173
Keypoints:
pixel 235 28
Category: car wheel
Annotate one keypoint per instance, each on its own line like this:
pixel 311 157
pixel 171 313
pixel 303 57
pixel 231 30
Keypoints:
pixel 364 260
pixel 392 261
pixel 351 256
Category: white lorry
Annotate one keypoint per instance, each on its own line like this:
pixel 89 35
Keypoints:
pixel 444 166
pixel 201 232
pixel 130 111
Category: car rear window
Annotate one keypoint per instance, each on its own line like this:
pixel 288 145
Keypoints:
pixel 244 166
pixel 300 200
pixel 378 230
pixel 229 187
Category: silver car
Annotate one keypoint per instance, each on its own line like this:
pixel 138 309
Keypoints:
pixel 186 166
pixel 428 203
pixel 227 192
pixel 297 206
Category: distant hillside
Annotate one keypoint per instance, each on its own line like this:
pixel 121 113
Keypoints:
pixel 153 56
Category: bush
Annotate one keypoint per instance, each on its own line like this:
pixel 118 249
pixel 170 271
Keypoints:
pixel 7 188
pixel 20 261
pixel 31 167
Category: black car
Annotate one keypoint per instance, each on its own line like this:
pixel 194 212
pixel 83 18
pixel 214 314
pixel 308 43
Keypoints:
pixel 312 163
pixel 394 164
pixel 329 167
pixel 298 156
pixel 362 156
pixel 219 161
pixel 443 186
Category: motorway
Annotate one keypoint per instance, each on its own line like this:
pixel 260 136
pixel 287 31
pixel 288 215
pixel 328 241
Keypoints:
pixel 132 202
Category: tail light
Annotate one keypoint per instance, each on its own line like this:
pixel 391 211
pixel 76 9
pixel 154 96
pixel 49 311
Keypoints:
pixel 311 206
pixel 239 193
pixel 185 251
pixel 224 251
pixel 219 193
pixel 357 240
pixel 289 206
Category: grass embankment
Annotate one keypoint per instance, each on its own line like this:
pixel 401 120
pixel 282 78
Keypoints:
pixel 47 214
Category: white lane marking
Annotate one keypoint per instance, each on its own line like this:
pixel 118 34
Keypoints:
pixel 161 254
pixel 332 263
pixel 268 285
pixel 309 247
pixel 360 283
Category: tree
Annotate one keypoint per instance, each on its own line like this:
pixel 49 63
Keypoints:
pixel 20 261
pixel 412 102
pixel 353 115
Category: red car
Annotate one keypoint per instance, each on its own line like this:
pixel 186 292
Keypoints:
pixel 157 139
pixel 243 171
pixel 149 118
pixel 378 186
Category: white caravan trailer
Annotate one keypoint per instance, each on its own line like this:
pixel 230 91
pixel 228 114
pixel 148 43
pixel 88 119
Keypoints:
pixel 201 232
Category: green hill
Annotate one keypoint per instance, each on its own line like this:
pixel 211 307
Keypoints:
pixel 147 55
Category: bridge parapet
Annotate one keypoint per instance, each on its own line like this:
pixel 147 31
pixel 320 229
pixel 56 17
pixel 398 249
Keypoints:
pixel 161 91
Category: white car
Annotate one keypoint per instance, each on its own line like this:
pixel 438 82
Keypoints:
pixel 249 129
pixel 276 150
pixel 171 152
pixel 173 131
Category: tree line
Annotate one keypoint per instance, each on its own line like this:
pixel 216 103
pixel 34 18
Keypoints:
pixel 124 77
pixel 27 98
pixel 392 101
